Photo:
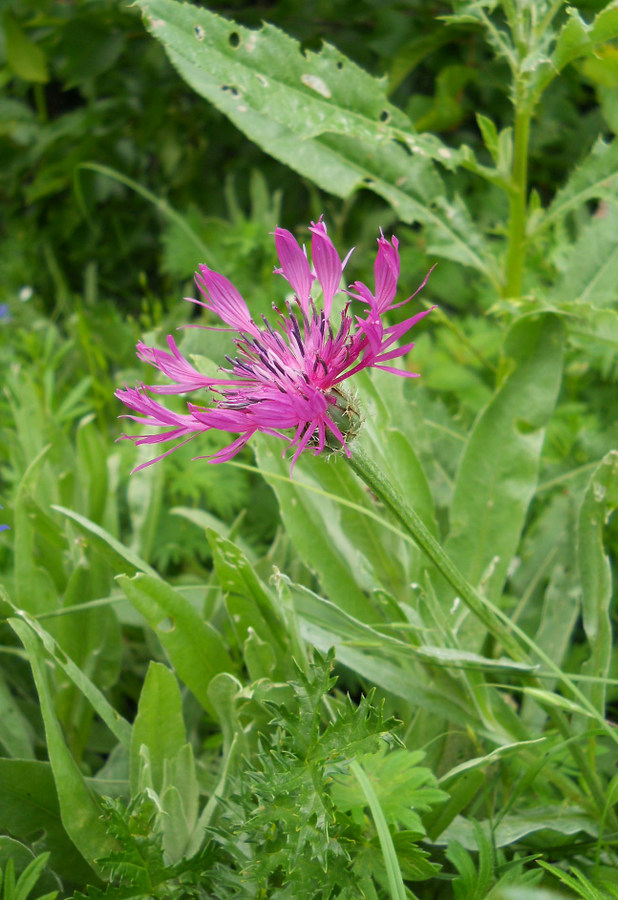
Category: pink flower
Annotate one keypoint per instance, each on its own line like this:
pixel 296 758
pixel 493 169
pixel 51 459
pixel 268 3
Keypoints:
pixel 285 379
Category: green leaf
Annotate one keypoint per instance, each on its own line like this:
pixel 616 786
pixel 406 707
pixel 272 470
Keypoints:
pixel 489 134
pixel 548 698
pixel 158 725
pixel 116 553
pixel 403 788
pixel 16 735
pixel 29 878
pixel 578 39
pixel 193 646
pixel 499 468
pixel 25 58
pixel 317 112
pixel 80 812
pixel 559 819
pixel 593 324
pixel 396 886
pixel 34 588
pixel 559 614
pixel 249 602
pixel 313 523
pixel 600 500
pixel 591 273
pixel 119 727
pixel 596 178
pixel 29 801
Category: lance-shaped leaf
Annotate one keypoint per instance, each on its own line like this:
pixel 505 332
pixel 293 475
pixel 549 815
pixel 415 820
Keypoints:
pixel 194 648
pixel 600 500
pixel 318 113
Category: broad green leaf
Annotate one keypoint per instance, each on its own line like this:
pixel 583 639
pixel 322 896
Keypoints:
pixel 595 179
pixel 80 812
pixel 194 648
pixel 324 613
pixel 259 657
pixel 269 72
pixel 179 800
pixel 317 112
pixel 119 556
pixel 390 430
pixel 498 472
pixel 563 820
pixel 313 523
pixel 600 500
pixel 159 725
pixel 29 801
pixel 591 274
pixel 16 735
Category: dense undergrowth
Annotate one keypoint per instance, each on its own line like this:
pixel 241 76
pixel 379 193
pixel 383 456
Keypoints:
pixel 216 681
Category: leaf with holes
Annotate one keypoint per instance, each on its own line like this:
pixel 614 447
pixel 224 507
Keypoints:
pixel 319 113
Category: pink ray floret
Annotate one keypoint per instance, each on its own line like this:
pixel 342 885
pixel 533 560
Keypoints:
pixel 284 379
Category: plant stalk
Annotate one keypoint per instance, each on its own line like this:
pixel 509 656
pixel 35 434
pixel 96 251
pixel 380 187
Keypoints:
pixel 516 249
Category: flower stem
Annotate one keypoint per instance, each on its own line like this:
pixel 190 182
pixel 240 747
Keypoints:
pixel 374 478
pixel 516 250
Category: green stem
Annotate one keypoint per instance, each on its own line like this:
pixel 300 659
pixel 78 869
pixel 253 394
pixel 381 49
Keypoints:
pixel 374 478
pixel 516 250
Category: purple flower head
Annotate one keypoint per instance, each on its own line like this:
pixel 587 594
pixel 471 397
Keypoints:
pixel 284 378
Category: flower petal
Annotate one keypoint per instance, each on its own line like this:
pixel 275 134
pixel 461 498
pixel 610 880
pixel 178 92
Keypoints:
pixel 326 263
pixel 225 300
pixel 294 266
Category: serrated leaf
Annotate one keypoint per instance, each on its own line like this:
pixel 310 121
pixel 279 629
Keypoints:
pixel 403 788
pixel 593 324
pixel 595 178
pixel 578 39
pixel 591 275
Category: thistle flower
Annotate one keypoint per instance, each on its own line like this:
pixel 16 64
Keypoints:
pixel 286 378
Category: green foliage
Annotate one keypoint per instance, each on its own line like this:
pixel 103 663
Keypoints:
pixel 172 722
